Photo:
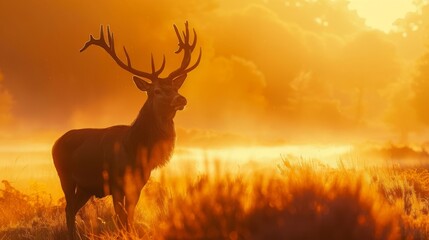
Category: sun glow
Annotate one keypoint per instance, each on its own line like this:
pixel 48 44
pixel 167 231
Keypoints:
pixel 381 14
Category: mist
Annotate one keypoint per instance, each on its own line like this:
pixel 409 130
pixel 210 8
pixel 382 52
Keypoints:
pixel 298 71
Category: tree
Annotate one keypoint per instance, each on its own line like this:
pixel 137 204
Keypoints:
pixel 421 90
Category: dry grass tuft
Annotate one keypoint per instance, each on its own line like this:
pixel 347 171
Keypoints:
pixel 301 201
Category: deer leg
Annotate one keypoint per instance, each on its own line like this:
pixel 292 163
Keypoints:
pixel 70 218
pixel 119 205
pixel 69 187
pixel 130 206
pixel 124 208
pixel 74 203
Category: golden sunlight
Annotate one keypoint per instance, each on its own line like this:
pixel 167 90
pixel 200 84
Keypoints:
pixel 381 14
pixel 292 119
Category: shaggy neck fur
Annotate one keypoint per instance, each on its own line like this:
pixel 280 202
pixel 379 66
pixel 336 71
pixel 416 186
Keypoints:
pixel 152 136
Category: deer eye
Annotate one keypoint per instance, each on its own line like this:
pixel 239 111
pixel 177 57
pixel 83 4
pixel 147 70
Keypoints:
pixel 157 91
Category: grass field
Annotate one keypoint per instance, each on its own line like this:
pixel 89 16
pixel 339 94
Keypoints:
pixel 290 199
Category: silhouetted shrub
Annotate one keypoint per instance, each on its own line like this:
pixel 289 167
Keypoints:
pixel 301 204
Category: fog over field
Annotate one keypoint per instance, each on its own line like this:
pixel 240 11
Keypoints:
pixel 319 102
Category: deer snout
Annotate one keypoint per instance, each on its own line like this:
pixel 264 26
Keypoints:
pixel 179 102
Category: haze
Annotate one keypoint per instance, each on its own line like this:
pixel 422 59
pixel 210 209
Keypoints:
pixel 272 72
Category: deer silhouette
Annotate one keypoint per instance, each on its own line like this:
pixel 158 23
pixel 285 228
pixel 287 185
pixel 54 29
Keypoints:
pixel 118 160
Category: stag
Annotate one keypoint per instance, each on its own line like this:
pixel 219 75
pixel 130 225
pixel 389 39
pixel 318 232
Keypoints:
pixel 118 160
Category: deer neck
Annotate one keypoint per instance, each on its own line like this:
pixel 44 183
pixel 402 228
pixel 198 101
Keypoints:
pixel 150 126
pixel 152 135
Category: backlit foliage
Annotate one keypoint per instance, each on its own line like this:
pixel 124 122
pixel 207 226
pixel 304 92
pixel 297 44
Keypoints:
pixel 299 201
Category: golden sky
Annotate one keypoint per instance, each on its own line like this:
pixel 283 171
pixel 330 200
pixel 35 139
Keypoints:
pixel 381 14
pixel 295 69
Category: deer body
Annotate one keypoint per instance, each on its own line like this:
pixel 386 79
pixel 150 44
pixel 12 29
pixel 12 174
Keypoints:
pixel 90 153
pixel 118 160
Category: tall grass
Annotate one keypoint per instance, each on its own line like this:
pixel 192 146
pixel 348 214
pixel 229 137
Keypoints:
pixel 300 201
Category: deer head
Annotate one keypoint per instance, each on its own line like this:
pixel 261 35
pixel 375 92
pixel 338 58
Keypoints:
pixel 162 91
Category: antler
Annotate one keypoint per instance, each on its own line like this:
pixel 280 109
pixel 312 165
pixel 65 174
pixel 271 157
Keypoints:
pixel 184 45
pixel 187 49
pixel 109 46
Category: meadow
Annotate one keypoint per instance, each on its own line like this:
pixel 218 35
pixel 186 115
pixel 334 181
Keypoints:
pixel 290 198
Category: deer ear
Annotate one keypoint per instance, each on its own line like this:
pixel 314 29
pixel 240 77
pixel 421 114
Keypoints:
pixel 177 82
pixel 141 84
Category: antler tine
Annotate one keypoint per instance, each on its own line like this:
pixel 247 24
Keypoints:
pixel 152 63
pixel 87 44
pixel 128 57
pixel 195 64
pixel 109 47
pixel 110 38
pixel 159 71
pixel 194 43
pixel 178 37
pixel 188 48
pixel 162 67
pixel 102 32
pixel 184 42
pixel 94 41
pixel 186 33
